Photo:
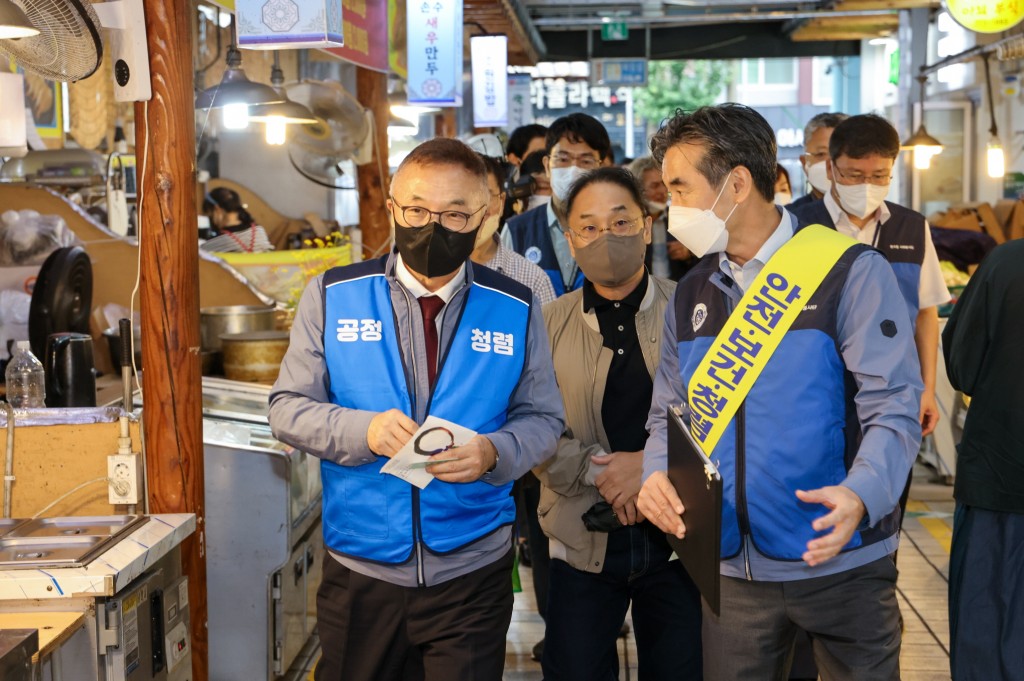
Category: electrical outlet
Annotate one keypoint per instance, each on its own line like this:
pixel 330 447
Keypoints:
pixel 125 473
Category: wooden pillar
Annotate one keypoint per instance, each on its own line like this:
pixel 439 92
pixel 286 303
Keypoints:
pixel 172 389
pixel 445 124
pixel 372 93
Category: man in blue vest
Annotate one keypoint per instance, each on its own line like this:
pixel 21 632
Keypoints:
pixel 575 144
pixel 817 134
pixel 416 583
pixel 862 152
pixel 809 513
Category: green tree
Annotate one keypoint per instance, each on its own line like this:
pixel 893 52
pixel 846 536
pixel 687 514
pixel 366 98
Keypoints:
pixel 675 85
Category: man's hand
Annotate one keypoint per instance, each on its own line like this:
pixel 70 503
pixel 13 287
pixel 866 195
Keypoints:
pixel 929 413
pixel 847 510
pixel 389 431
pixel 620 480
pixel 659 503
pixel 473 459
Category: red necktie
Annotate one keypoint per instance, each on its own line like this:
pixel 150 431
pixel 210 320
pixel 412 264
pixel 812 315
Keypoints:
pixel 430 306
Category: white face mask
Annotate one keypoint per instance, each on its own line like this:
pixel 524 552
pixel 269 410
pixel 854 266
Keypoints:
pixel 783 198
pixel 818 177
pixel 701 231
pixel 562 179
pixel 538 200
pixel 861 200
pixel 656 207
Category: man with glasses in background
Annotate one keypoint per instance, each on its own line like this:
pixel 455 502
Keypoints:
pixel 817 134
pixel 416 583
pixel 574 144
pixel 606 339
pixel 863 150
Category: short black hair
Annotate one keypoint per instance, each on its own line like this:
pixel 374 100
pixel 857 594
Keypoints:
pixel 497 169
pixel 534 163
pixel 607 175
pixel 732 135
pixel 519 140
pixel 579 127
pixel 864 135
pixel 445 151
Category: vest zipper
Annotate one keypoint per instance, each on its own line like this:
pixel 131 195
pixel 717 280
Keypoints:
pixel 741 486
pixel 417 536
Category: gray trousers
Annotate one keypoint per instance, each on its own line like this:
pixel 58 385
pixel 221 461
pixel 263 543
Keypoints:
pixel 852 618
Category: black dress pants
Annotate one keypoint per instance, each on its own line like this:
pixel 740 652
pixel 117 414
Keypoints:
pixel 372 630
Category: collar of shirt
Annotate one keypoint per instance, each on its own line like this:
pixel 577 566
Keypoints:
pixel 592 300
pixel 413 285
pixel 744 275
pixel 844 226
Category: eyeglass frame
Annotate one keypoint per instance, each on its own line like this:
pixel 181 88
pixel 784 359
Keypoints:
pixel 440 215
pixel 601 231
pixel 574 159
pixel 863 179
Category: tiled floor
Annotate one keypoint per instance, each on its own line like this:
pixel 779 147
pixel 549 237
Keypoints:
pixel 923 561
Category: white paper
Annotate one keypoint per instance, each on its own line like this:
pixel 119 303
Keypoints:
pixel 410 466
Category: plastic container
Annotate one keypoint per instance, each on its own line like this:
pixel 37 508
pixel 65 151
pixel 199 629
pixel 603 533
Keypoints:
pixel 26 379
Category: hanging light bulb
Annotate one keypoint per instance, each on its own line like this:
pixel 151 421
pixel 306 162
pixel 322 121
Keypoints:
pixel 236 116
pixel 276 130
pixel 996 159
pixel 923 145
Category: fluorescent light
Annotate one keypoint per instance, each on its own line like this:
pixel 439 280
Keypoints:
pixel 276 131
pixel 996 159
pixel 14 23
pixel 236 116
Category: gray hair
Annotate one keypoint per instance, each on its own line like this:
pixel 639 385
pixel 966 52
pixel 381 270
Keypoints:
pixel 823 120
pixel 641 165
pixel 732 135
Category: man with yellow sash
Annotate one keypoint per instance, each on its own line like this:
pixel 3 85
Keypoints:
pixel 794 351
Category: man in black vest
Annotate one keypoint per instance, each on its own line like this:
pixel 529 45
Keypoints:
pixel 863 150
pixel 575 144
pixel 817 133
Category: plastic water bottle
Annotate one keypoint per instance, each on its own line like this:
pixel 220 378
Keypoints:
pixel 26 379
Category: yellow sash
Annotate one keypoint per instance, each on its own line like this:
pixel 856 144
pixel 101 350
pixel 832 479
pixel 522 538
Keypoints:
pixel 755 328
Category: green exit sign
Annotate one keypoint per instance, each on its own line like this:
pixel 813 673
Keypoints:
pixel 614 30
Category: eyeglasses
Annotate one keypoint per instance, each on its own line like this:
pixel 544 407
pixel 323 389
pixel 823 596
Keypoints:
pixel 880 179
pixel 618 227
pixel 418 216
pixel 817 155
pixel 584 161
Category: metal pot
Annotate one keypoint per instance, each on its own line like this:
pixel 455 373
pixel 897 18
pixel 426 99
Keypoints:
pixel 216 321
pixel 254 355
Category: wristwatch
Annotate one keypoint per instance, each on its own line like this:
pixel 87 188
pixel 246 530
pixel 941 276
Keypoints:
pixel 495 464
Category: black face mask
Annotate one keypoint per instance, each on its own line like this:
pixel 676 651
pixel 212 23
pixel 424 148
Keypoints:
pixel 432 250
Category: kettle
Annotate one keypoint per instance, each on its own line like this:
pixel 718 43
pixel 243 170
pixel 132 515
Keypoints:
pixel 70 371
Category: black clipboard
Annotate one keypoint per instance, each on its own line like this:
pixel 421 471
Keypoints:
pixel 699 486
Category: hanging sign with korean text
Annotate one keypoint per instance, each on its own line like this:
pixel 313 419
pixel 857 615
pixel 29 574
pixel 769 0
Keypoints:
pixel 489 55
pixel 271 24
pixel 434 35
pixel 520 106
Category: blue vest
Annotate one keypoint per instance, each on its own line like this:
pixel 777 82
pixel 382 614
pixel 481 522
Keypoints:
pixel 531 238
pixel 797 428
pixel 378 517
pixel 901 240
